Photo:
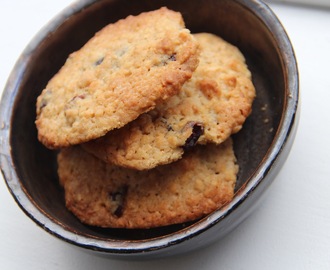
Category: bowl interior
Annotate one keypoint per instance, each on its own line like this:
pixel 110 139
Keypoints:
pixel 36 166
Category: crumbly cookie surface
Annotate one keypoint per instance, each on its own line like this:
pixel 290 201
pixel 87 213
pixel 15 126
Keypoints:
pixel 105 195
pixel 211 106
pixel 124 70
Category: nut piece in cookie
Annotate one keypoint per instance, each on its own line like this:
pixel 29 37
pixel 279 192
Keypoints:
pixel 105 195
pixel 211 106
pixel 123 71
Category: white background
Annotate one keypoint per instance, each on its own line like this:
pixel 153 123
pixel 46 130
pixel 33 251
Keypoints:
pixel 290 230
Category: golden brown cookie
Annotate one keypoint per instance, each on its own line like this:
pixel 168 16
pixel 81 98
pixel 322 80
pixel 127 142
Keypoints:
pixel 211 106
pixel 105 195
pixel 123 71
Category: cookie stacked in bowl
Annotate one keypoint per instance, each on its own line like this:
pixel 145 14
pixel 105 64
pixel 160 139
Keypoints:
pixel 142 115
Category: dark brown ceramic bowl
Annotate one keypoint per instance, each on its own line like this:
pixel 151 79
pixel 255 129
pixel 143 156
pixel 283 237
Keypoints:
pixel 261 147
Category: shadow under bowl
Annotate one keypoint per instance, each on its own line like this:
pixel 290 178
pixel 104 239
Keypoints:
pixel 261 147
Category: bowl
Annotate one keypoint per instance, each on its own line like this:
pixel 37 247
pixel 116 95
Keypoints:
pixel 261 147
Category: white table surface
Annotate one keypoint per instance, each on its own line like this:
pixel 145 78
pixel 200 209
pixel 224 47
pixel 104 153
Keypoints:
pixel 290 230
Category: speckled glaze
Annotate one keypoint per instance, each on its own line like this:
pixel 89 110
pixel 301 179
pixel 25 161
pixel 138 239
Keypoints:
pixel 261 147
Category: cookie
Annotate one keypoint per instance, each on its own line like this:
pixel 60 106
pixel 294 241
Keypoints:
pixel 123 71
pixel 211 106
pixel 105 195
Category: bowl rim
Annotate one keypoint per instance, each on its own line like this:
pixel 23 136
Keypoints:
pixel 286 130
